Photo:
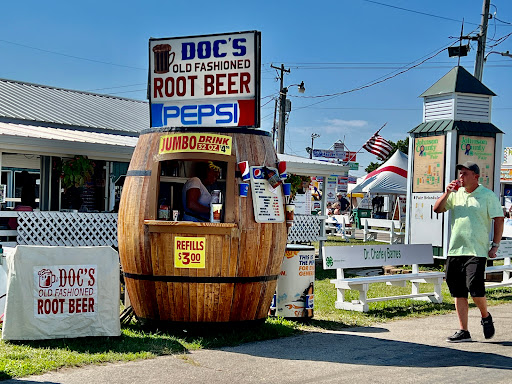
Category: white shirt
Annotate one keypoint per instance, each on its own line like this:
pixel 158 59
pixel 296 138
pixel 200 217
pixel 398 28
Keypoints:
pixel 195 182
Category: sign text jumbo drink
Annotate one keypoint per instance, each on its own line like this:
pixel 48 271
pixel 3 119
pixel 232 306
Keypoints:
pixel 211 80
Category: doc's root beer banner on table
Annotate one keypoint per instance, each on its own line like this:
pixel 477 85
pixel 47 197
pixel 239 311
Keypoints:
pixel 61 292
pixel 208 81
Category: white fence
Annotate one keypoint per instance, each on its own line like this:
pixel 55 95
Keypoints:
pixel 64 228
pixel 93 229
pixel 305 228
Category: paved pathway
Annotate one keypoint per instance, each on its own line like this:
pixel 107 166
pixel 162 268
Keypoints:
pixel 405 351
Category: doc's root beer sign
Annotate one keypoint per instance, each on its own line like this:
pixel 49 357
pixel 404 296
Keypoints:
pixel 64 290
pixel 209 81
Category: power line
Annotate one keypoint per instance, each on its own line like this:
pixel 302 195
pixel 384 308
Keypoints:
pixel 413 11
pixel 502 21
pixel 116 87
pixel 71 56
pixel 375 82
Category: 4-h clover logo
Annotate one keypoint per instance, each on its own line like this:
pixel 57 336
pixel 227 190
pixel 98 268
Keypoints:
pixel 328 261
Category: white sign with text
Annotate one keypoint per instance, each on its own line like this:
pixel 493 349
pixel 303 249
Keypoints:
pixel 359 256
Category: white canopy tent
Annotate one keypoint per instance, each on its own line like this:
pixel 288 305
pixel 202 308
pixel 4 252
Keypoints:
pixel 389 178
pixel 308 167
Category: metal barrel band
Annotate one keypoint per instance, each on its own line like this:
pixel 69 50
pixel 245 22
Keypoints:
pixel 201 279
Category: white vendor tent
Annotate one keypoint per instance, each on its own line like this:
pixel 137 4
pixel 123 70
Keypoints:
pixel 309 167
pixel 390 177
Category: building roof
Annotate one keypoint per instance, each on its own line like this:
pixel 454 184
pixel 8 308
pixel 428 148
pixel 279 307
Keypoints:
pixel 458 125
pixel 459 80
pixel 57 107
pixel 49 141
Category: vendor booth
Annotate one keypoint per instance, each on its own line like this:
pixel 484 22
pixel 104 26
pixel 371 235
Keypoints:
pixel 389 180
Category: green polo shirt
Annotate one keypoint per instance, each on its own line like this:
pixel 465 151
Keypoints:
pixel 471 220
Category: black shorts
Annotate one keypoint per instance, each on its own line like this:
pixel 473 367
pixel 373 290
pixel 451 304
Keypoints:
pixel 466 274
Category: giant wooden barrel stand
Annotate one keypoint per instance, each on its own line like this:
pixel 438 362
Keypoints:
pixel 243 258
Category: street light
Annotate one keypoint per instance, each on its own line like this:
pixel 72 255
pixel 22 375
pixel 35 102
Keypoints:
pixel 282 114
pixel 507 54
pixel 313 137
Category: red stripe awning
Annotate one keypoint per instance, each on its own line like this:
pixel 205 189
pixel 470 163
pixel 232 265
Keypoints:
pixel 389 168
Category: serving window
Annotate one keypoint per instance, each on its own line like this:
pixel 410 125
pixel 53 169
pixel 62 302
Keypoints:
pixel 172 172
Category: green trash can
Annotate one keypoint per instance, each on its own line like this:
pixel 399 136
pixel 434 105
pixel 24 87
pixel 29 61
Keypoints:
pixel 361 213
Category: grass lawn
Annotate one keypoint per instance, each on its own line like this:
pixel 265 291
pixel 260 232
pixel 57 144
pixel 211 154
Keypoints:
pixel 18 359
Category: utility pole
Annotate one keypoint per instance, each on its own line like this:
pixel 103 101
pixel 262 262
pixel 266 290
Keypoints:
pixel 313 137
pixel 482 36
pixel 282 108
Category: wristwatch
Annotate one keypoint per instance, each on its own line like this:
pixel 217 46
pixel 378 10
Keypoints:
pixel 493 244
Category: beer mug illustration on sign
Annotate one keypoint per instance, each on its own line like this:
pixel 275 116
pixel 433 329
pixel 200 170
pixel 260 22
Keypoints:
pixel 163 58
pixel 46 278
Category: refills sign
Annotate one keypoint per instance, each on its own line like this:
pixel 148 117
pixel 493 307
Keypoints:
pixel 63 290
pixel 208 81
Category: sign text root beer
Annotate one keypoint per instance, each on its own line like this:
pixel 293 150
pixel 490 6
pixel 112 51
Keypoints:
pixel 205 80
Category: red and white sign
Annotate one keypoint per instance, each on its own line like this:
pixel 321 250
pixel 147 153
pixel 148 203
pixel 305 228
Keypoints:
pixel 350 156
pixel 211 80
pixel 63 290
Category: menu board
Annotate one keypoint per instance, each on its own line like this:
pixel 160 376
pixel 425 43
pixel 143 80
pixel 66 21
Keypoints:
pixel 428 170
pixel 481 151
pixel 267 201
pixel 332 183
pixel 302 203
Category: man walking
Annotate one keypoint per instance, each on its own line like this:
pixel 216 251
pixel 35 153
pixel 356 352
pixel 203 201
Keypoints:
pixel 474 207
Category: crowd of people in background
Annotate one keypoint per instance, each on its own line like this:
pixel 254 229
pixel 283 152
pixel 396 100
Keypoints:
pixel 338 207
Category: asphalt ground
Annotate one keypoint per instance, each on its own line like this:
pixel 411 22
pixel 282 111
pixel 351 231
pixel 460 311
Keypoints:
pixel 403 351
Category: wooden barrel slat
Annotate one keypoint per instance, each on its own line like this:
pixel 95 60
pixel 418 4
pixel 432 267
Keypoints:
pixel 246 250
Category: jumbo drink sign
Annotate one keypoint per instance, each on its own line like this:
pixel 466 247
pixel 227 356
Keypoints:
pixel 206 81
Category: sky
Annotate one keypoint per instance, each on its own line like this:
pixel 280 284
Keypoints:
pixel 333 46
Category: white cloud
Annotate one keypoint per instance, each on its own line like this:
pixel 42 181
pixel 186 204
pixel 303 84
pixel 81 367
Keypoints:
pixel 343 126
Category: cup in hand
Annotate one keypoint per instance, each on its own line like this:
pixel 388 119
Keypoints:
pixel 457 185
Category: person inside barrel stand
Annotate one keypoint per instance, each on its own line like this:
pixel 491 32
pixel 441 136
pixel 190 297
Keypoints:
pixel 474 208
pixel 196 197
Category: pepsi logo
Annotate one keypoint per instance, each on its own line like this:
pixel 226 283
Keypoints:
pixel 257 173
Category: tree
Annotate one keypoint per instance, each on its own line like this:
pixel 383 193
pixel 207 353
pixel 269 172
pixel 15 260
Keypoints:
pixel 402 145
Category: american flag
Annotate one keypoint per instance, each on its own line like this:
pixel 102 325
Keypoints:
pixel 378 146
